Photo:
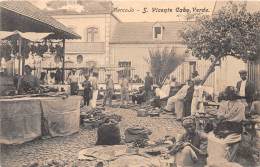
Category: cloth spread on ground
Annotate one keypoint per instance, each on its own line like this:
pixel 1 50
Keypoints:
pixel 222 150
pixel 116 156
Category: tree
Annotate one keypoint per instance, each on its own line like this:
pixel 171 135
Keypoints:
pixel 162 62
pixel 232 32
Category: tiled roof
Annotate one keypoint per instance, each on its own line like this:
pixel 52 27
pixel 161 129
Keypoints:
pixel 142 32
pixel 26 9
pixel 89 7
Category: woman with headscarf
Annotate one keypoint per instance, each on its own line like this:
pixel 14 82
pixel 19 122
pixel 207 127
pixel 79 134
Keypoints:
pixel 191 145
pixel 224 140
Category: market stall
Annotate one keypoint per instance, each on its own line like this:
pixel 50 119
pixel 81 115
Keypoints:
pixel 25 30
pixel 26 118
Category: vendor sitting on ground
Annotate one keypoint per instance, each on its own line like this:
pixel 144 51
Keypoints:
pixel 139 97
pixel 191 146
pixel 28 83
pixel 227 135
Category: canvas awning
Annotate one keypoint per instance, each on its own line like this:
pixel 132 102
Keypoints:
pixel 31 36
pixel 25 17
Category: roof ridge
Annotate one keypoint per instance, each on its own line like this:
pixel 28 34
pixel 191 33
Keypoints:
pixel 39 15
pixel 159 22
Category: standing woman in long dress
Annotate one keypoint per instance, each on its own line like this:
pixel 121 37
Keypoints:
pixel 94 83
pixel 198 98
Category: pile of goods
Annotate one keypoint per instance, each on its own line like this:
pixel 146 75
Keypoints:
pixel 139 136
pixel 108 133
pixel 152 112
pixel 93 118
pixel 46 89
pixel 145 110
pixel 12 47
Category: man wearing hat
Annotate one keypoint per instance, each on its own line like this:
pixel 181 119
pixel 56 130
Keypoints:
pixel 192 144
pixel 109 90
pixel 245 88
pixel 73 81
pixel 148 83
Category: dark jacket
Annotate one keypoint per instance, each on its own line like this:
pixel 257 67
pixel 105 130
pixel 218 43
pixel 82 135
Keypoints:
pixel 148 82
pixel 249 90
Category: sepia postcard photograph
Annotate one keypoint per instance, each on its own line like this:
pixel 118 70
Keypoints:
pixel 129 83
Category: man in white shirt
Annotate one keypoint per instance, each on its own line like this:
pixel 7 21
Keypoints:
pixel 177 100
pixel 245 88
pixel 73 81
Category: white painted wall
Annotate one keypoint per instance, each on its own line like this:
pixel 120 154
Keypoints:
pixel 82 22
pixel 138 54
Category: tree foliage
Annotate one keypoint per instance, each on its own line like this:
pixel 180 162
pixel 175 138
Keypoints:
pixel 162 62
pixel 232 31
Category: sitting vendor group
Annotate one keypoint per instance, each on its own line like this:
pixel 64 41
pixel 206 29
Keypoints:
pixel 216 144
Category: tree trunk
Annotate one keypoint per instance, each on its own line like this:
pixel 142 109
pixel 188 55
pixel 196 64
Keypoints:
pixel 210 70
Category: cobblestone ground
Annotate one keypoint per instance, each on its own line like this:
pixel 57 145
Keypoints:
pixel 67 148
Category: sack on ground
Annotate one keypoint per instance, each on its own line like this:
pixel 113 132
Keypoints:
pixel 136 134
pixel 108 134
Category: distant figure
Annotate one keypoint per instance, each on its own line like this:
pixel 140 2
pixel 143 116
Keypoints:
pixel 174 86
pixel 28 83
pixel 124 83
pixel 176 101
pixel 137 79
pixel 51 79
pixel 139 97
pixel 42 78
pixel 148 83
pixel 87 90
pixel 197 98
pixel 94 83
pixel 194 75
pixel 73 80
pixel 58 76
pixel 188 99
pixel 245 88
pixel 109 90
pixel 15 80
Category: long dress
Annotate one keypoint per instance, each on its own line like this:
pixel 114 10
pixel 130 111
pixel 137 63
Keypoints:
pixel 197 100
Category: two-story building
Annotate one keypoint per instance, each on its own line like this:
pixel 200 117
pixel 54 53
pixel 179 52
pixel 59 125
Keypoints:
pixel 113 44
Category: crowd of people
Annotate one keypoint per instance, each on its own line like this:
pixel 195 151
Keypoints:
pixel 219 145
pixel 187 102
